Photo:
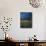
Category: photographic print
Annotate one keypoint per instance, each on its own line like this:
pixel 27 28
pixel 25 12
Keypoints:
pixel 26 19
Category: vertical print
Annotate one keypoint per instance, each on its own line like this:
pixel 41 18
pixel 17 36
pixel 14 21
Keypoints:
pixel 26 19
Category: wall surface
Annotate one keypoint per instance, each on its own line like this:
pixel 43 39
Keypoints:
pixel 12 8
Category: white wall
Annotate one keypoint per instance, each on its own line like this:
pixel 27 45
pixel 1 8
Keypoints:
pixel 12 8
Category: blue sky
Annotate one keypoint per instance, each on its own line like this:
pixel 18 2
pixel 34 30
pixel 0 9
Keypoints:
pixel 26 15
